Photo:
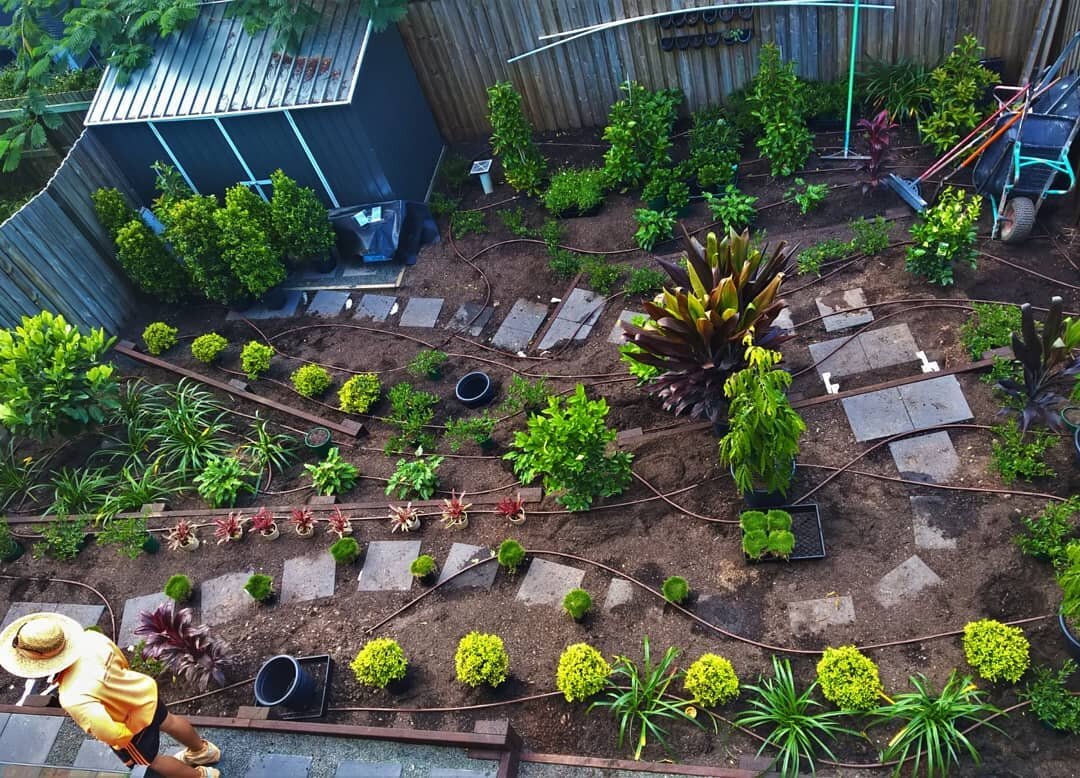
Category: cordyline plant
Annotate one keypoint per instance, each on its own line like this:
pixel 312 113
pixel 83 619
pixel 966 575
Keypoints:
pixel 695 331
pixel 187 650
pixel 878 140
pixel 1048 362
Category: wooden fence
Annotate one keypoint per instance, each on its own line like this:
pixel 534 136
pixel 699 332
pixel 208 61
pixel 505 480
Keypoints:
pixel 460 47
pixel 54 254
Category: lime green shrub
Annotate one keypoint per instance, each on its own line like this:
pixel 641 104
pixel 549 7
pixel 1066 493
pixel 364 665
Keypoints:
pixel 577 603
pixel 207 348
pixel 511 554
pixel 996 651
pixel 711 681
pixel 311 380
pixel 675 589
pixel 481 659
pixel 379 662
pixel 359 393
pixel 255 359
pixel 849 679
pixel 582 672
pixel 178 588
pixel 159 337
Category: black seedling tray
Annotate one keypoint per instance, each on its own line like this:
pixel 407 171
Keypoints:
pixel 806 527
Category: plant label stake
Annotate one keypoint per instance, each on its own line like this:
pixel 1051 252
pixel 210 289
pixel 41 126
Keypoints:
pixel 829 388
pixel 927 365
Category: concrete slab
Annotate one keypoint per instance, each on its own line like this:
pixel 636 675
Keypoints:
pixel 386 565
pixel 889 346
pixel 278 766
pixel 927 535
pixel 784 321
pixel 465 313
pixel 928 458
pixel 87 615
pixel 520 325
pixel 375 307
pixel 818 615
pixel 308 577
pixel 934 402
pixel 905 581
pixel 620 592
pixel 877 414
pixel 840 357
pixel 617 337
pixel 461 556
pixel 4 720
pixel 28 739
pixel 579 314
pixel 130 618
pixel 421 312
pixel 838 301
pixel 355 769
pixel 94 755
pixel 292 302
pixel 19 609
pixel 224 599
pixel 546 583
pixel 327 303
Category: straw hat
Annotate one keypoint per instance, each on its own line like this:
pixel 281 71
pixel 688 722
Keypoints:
pixel 38 645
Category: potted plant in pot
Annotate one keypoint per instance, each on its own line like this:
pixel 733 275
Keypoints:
pixel 318 440
pixel 263 523
pixel 338 523
pixel 303 522
pixel 230 528
pixel 1068 577
pixel 766 535
pixel 404 518
pixel 455 512
pixel 763 439
pixel 512 509
pixel 299 224
pixel 244 242
pixel 182 537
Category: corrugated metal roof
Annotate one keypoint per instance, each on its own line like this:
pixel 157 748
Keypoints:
pixel 214 68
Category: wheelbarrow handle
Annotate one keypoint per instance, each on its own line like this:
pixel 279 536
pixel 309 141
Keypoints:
pixel 963 145
pixel 985 144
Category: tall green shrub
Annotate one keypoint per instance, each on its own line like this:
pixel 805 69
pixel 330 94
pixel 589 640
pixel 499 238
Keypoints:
pixel 299 225
pixel 148 264
pixel 511 139
pixel 784 141
pixel 639 131
pixel 956 88
pixel 191 228
pixel 244 241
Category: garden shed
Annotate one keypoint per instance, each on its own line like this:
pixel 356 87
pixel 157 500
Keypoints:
pixel 343 114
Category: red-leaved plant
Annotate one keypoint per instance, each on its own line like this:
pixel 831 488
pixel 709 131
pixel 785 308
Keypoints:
pixel 511 508
pixel 303 520
pixel 187 650
pixel 878 136
pixel 180 535
pixel 338 523
pixel 455 511
pixel 230 528
pixel 263 521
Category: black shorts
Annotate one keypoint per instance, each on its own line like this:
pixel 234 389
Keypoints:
pixel 144 746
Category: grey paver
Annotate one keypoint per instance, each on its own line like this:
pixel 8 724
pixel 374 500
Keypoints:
pixel 386 565
pixel 27 739
pixel 888 346
pixel 925 509
pixel 4 720
pixel 87 615
pixel 934 402
pixel 465 313
pixel 784 321
pixel 354 769
pixel 278 766
pixel 620 592
pixel 20 609
pixel 94 755
pixel 520 325
pixel 308 577
pixel 877 414
pixel 461 556
pixel 817 615
pixel 905 581
pixel 840 357
pixel 928 458
pixel 617 335
pixel 421 312
pixel 376 307
pixel 838 301
pixel 442 772
pixel 130 618
pixel 578 316
pixel 546 583
pixel 292 302
pixel 327 303
pixel 224 599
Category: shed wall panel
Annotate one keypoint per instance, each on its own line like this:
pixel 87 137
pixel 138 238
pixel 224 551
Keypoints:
pixel 134 149
pixel 204 153
pixel 267 143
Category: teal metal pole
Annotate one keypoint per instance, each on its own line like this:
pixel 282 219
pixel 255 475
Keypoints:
pixel 851 78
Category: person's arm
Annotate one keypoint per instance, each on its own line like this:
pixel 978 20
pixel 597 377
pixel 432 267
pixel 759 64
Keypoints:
pixel 94 720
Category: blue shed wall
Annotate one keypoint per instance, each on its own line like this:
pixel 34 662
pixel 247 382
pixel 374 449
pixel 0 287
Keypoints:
pixel 134 149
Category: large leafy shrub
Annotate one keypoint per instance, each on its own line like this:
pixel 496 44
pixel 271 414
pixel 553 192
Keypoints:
pixel 944 236
pixel 784 141
pixel 997 651
pixel 112 210
pixel 639 131
pixel 299 225
pixel 148 263
pixel 1051 700
pixel 481 659
pixel 379 662
pixel 359 393
pixel 192 229
pixel 582 672
pixel 511 139
pixel 849 679
pixel 244 241
pixel 188 651
pixel 956 88
pixel 714 148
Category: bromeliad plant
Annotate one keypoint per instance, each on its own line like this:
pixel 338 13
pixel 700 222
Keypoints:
pixel 404 518
pixel 338 523
pixel 230 528
pixel 512 509
pixel 455 511
pixel 878 137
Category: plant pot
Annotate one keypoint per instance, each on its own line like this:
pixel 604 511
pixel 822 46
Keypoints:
pixel 268 601
pixel 430 579
pixel 273 534
pixel 667 44
pixel 282 681
pixel 191 545
pixel 475 389
pixel 318 440
pixel 151 545
pixel 434 374
pixel 274 299
pixel 759 498
pixel 709 17
pixel 463 523
pixel 17 551
pixel 487 444
pixel 517 518
pixel 1076 444
pixel 806 527
pixel 305 532
pixel 412 526
pixel 1072 641
pixel 1071 416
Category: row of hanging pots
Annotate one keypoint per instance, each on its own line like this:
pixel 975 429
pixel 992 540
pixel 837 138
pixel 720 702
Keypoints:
pixel 691 18
pixel 710 39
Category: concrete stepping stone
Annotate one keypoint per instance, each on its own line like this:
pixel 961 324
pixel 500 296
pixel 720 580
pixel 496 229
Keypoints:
pixel 546 583
pixel 461 556
pixel 620 592
pixel 292 302
pixel 520 325
pixel 579 314
pixel 354 769
pixel 130 618
pixel 28 739
pixel 839 357
pixel 905 581
pixel 386 565
pixel 818 615
pixel 87 615
pixel 928 458
pixel 94 755
pixel 617 336
pixel 376 307
pixel 877 414
pixel 784 321
pixel 327 303
pixel 308 577
pixel 935 402
pixel 279 766
pixel 838 301
pixel 224 599
pixel 465 314
pixel 927 535
pixel 888 346
pixel 20 609
pixel 421 312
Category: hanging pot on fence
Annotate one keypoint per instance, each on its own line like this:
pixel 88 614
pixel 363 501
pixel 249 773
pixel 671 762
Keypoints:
pixel 697 41
pixel 678 19
pixel 727 14
pixel 692 18
pixel 712 39
pixel 682 42
pixel 667 44
pixel 745 34
pixel 709 17
pixel 746 12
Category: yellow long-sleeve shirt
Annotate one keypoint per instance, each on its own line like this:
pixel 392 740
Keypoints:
pixel 104 696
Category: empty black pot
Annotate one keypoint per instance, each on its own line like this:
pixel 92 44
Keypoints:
pixel 282 681
pixel 475 389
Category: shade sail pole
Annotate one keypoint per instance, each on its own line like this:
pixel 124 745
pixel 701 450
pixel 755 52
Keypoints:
pixel 846 154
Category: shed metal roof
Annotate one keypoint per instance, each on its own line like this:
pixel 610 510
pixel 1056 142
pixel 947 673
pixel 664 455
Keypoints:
pixel 214 68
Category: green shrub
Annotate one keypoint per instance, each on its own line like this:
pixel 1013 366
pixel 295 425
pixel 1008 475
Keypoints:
pixel 639 131
pixel 207 348
pixel 464 223
pixel 423 566
pixel 148 263
pixel 870 236
pixel 582 672
pixel 112 210
pixel 711 681
pixel 514 220
pixel 333 475
pixel 666 189
pixel 159 337
pixel 575 191
pixel 653 227
pixel 222 480
pixel 244 241
pixel 260 587
pixel 944 236
pixel 511 554
pixel 178 588
pixel 141 662
pixel 129 534
pixel 1051 700
pixel 1014 458
pixel 956 88
pixel 192 229
pixel 428 363
pixel 991 327
pixel 1046 534
pixel 996 651
pixel 644 281
pixel 359 393
pixel 311 380
pixel 481 659
pixel 675 589
pixel 733 209
pixel 415 479
pixel 811 259
pixel 299 225
pixel 511 140
pixel 454 171
pixel 564 263
pixel 784 140
pixel 714 148
pixel 442 205
pixel 255 359
pixel 767 534
pixel 62 539
pixel 849 679
pixel 379 662
pixel 807 196
pixel 600 275
pixel 521 394
pixel 345 550
pixel 577 603
pixel 476 430
pixel 9 546
pixel 410 411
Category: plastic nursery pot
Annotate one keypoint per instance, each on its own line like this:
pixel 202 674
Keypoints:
pixel 16 551
pixel 318 439
pixel 191 545
pixel 759 498
pixel 1072 641
pixel 475 389
pixel 486 444
pixel 271 535
pixel 151 545
pixel 282 681
pixel 1071 416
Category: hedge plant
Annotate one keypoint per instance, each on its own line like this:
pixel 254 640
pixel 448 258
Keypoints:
pixel 193 231
pixel 244 241
pixel 178 588
pixel 575 191
pixel 147 262
pixel 255 359
pixel 359 393
pixel 159 337
pixel 784 140
pixel 299 225
pixel 582 672
pixel 311 380
pixel 997 652
pixel 207 348
pixel 481 659
pixel 380 662
pixel 711 681
pixel 849 679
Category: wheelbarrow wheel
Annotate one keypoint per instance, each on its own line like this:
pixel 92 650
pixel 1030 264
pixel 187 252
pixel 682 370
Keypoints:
pixel 1018 220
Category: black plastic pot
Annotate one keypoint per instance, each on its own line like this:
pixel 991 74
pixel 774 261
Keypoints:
pixel 727 14
pixel 281 681
pixel 1071 640
pixel 475 389
pixel 326 263
pixel 712 39
pixel 667 44
pixel 679 19
pixel 682 42
pixel 746 12
pixel 697 41
pixel 16 551
pixel 692 18
pixel 759 498
pixel 151 545
pixel 806 527
pixel 709 17
pixel 318 439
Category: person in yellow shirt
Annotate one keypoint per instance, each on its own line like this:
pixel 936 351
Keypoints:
pixel 107 699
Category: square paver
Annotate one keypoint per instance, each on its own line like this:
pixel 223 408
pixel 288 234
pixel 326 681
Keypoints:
pixel 386 565
pixel 224 599
pixel 308 577
pixel 461 556
pixel 818 615
pixel 889 346
pixel 547 583
pixel 520 325
pixel 376 307
pixel 327 303
pixel 925 509
pixel 292 302
pixel 620 592
pixel 465 314
pixel 278 766
pixel 934 402
pixel 20 609
pixel 576 319
pixel 840 357
pixel 784 321
pixel 839 301
pixel 355 769
pixel 421 312
pixel 87 615
pixel 28 739
pixel 905 581
pixel 130 619
pixel 94 755
pixel 927 458
pixel 617 336
pixel 877 414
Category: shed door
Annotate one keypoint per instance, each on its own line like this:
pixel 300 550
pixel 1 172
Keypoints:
pixel 202 150
pixel 267 143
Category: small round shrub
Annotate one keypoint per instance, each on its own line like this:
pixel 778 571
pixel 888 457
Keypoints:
pixel 511 554
pixel 849 679
pixel 207 348
pixel 255 359
pixel 178 588
pixel 345 550
pixel 577 603
pixel 675 589
pixel 311 380
pixel 359 393
pixel 582 672
pixel 379 662
pixel 159 337
pixel 481 659
pixel 260 587
pixel 711 681
pixel 996 651
pixel 423 566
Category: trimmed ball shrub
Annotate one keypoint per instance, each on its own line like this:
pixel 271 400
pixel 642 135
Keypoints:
pixel 849 678
pixel 260 587
pixel 675 589
pixel 178 588
pixel 359 393
pixel 255 359
pixel 159 337
pixel 345 550
pixel 480 659
pixel 379 662
pixel 577 603
pixel 582 672
pixel 511 554
pixel 207 348
pixel 423 566
pixel 996 651
pixel 711 681
pixel 311 380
